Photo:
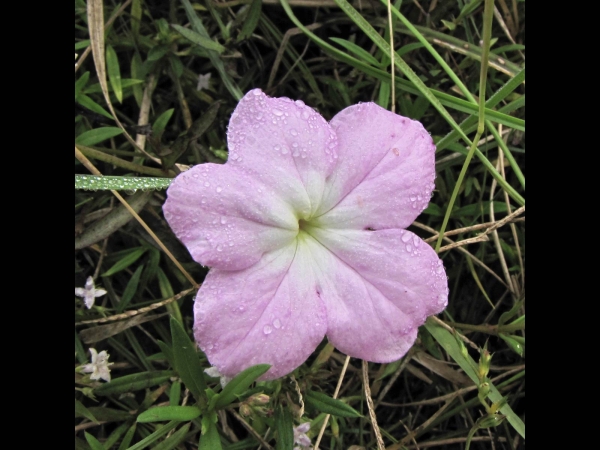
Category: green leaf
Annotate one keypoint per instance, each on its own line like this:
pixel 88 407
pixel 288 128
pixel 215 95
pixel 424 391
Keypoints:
pixel 82 411
pixel 237 386
pixel 358 51
pixel 104 414
pixel 90 104
pixel 130 289
pixel 114 72
pixel 174 440
pixel 115 183
pixel 284 426
pixel 128 437
pixel 162 413
pixel 324 403
pixel 448 342
pixel 80 84
pixel 134 382
pixel 126 261
pixel 251 20
pixel 166 349
pixel 506 316
pixel 450 25
pixel 198 39
pixel 516 343
pixel 161 122
pixel 187 363
pixel 210 439
pixel 175 393
pixel 94 443
pixel 154 436
pixel 157 52
pixel 93 137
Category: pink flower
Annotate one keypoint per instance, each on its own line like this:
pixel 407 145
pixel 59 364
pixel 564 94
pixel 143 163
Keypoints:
pixel 304 231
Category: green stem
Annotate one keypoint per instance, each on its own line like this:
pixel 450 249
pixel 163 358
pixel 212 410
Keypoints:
pixel 488 15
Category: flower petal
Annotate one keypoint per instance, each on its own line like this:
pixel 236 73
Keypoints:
pixel 385 172
pixel 226 218
pixel 269 313
pixel 378 287
pixel 272 138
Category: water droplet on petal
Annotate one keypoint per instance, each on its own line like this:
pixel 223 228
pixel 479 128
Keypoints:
pixel 267 329
pixel 219 248
pixel 219 188
pixel 294 133
pixel 299 103
pixel 206 183
pixel 277 323
pixel 408 248
pixel 277 112
pixel 405 237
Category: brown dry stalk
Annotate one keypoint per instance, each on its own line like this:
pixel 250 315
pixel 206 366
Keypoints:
pixel 128 314
pixel 335 394
pixel 365 372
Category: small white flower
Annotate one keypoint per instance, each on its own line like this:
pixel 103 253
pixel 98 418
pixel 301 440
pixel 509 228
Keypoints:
pixel 99 366
pixel 89 292
pixel 203 81
pixel 301 438
pixel 214 373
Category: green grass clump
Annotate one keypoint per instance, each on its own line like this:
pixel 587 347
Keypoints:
pixel 146 109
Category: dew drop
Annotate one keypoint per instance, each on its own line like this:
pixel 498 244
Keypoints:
pixel 219 248
pixel 277 112
pixel 219 188
pixel 223 220
pixel 284 150
pixel 267 329
pixel 416 241
pixel 299 103
pixel 409 248
pixel 405 237
pixel 277 323
pixel 294 133
pixel 277 148
pixel 206 183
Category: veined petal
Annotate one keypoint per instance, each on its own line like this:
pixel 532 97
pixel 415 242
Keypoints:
pixel 378 287
pixel 385 172
pixel 226 218
pixel 268 313
pixel 285 144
